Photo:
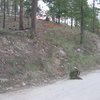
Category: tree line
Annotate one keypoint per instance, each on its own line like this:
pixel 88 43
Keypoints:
pixel 20 7
pixel 79 12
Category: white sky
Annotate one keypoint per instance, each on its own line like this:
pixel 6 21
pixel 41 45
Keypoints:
pixel 44 7
pixel 96 3
pixel 90 1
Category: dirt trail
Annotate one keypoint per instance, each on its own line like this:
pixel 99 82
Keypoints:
pixel 86 89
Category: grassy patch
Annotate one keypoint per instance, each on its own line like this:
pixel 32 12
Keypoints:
pixel 86 58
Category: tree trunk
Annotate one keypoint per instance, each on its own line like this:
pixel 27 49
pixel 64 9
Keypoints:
pixel 76 23
pixel 82 24
pixel 15 7
pixel 58 19
pixel 66 22
pixel 33 20
pixel 71 23
pixel 93 16
pixel 53 18
pixel 21 16
pixel 8 7
pixel 4 14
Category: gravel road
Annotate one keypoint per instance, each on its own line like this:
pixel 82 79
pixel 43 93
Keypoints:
pixel 86 89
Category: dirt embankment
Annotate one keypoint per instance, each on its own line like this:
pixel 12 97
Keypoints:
pixel 24 61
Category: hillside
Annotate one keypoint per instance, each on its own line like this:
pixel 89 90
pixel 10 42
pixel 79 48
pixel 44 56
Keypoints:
pixel 27 62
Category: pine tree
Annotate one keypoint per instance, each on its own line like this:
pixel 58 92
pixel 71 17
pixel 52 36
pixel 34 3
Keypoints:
pixel 21 27
pixel 33 21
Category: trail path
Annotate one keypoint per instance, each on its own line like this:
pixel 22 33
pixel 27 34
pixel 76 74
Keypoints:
pixel 86 89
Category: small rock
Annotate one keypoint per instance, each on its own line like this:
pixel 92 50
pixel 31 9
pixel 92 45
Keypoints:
pixel 2 80
pixel 23 83
pixel 9 88
pixel 62 66
pixel 13 79
pixel 45 81
pixel 62 52
pixel 78 49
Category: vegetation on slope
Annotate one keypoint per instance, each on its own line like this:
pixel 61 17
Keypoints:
pixel 54 52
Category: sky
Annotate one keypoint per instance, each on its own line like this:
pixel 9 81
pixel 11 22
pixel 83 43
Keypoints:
pixel 96 3
pixel 44 7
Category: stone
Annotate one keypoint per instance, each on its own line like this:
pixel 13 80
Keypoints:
pixel 23 83
pixel 2 80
